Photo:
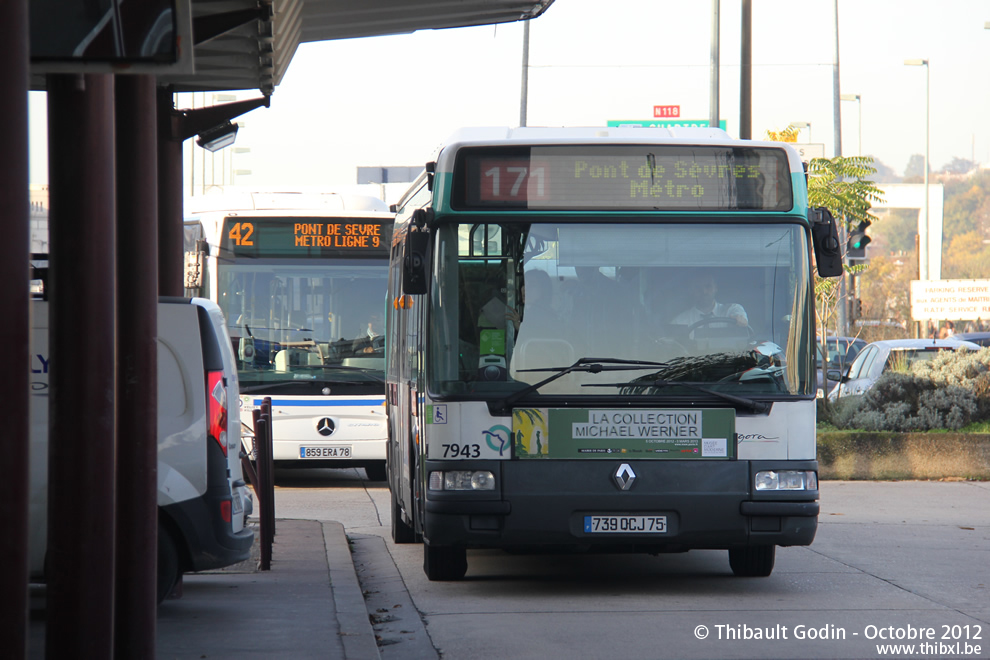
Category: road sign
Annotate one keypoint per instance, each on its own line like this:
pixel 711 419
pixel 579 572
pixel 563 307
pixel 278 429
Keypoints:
pixel 663 123
pixel 950 300
pixel 661 111
pixel 809 151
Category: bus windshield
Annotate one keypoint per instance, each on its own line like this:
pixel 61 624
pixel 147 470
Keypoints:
pixel 666 308
pixel 299 325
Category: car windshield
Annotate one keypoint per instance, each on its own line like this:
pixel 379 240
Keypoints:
pixel 901 359
pixel 721 306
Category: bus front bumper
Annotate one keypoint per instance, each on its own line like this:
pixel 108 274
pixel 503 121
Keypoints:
pixel 703 504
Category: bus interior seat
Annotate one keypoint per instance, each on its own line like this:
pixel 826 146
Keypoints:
pixel 295 357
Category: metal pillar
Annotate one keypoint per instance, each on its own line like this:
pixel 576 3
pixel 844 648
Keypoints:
pixel 137 372
pixel 524 92
pixel 746 72
pixel 713 118
pixel 842 322
pixel 79 620
pixel 170 279
pixel 15 330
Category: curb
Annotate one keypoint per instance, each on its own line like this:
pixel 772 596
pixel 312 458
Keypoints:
pixel 356 633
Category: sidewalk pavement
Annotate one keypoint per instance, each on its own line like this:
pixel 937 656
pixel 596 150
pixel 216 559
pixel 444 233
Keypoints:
pixel 309 605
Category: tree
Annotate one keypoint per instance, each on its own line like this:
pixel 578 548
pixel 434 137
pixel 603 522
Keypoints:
pixel 959 166
pixel 884 173
pixel 915 167
pixel 967 206
pixel 884 291
pixel 897 232
pixel 842 185
pixel 967 257
pixel 789 134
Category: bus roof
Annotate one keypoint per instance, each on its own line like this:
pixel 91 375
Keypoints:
pixel 520 136
pixel 283 201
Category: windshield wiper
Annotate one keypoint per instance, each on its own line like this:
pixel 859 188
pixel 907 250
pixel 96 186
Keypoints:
pixel 659 383
pixel 589 364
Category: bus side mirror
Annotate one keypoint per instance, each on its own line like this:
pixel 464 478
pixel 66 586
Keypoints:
pixel 414 250
pixel 825 239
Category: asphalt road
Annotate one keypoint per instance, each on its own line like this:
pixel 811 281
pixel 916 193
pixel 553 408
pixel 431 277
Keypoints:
pixel 894 563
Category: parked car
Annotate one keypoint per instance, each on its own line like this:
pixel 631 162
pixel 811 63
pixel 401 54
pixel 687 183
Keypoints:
pixel 881 356
pixel 203 501
pixel 981 338
pixel 841 352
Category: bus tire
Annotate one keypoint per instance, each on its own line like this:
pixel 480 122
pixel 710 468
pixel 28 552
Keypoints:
pixel 752 561
pixel 168 563
pixel 444 563
pixel 401 532
pixel 376 471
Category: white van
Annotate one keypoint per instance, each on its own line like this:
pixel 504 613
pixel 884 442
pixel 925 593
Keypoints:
pixel 203 501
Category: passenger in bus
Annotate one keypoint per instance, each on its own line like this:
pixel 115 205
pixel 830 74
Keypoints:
pixel 543 340
pixel 704 291
pixel 538 314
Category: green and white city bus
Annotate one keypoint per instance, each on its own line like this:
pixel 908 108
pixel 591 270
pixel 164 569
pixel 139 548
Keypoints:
pixel 603 340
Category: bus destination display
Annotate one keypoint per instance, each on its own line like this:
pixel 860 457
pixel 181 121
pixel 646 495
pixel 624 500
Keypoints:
pixel 634 177
pixel 290 237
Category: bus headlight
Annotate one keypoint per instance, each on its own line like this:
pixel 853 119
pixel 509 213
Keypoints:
pixel 462 480
pixel 786 480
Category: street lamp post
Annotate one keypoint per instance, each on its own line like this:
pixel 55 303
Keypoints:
pixel 923 227
pixel 859 121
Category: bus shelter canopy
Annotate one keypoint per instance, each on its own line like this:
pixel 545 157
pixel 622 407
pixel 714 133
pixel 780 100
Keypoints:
pixel 248 44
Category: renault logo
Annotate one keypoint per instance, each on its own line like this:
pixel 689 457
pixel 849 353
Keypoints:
pixel 624 477
pixel 325 426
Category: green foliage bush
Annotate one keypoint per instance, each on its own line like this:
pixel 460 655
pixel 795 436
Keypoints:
pixel 948 392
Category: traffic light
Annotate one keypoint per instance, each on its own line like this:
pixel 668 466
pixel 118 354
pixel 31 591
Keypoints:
pixel 856 308
pixel 858 240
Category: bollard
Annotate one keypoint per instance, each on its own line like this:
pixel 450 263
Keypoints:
pixel 266 480
pixel 270 461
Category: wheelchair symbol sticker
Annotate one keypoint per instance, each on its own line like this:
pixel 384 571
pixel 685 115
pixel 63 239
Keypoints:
pixel 439 414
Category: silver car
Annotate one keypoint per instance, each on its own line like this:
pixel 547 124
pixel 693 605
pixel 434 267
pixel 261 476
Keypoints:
pixel 881 356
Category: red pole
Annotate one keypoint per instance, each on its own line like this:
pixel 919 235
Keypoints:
pixel 137 370
pixel 79 621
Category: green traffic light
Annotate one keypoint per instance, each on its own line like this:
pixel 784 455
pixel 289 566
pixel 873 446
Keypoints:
pixel 859 240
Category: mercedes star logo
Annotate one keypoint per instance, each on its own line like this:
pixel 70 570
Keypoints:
pixel 624 477
pixel 325 426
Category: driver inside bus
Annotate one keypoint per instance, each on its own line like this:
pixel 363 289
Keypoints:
pixel 703 291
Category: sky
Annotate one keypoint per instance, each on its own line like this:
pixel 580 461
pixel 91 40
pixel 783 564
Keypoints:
pixel 391 101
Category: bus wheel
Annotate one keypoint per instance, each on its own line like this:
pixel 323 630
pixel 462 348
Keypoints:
pixel 444 563
pixel 376 471
pixel 752 561
pixel 401 532
pixel 168 563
